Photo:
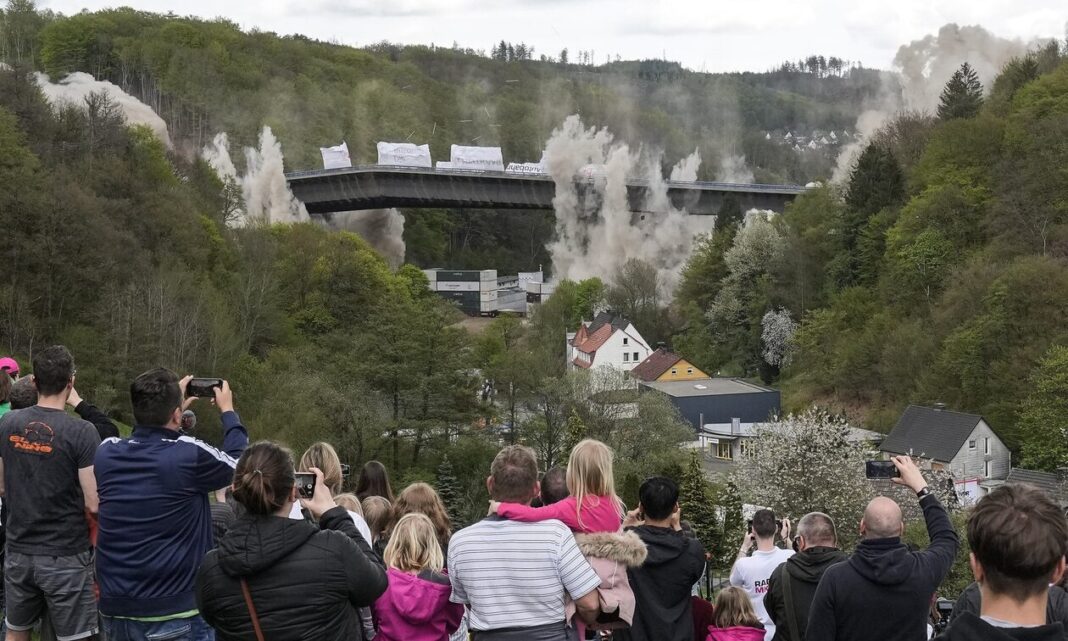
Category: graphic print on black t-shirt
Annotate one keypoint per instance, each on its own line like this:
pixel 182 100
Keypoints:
pixel 42 450
pixel 35 438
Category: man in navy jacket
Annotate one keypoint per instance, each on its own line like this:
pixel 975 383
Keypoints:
pixel 155 520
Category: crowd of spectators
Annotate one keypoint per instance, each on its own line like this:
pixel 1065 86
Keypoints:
pixel 161 535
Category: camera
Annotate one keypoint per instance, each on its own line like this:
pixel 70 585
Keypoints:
pixel 345 469
pixel 305 482
pixel 203 387
pixel 944 608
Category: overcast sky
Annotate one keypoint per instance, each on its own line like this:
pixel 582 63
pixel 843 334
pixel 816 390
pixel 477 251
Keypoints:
pixel 710 35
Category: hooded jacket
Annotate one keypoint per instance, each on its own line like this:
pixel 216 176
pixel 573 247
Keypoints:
pixel 306 583
pixel 884 591
pixel 662 586
pixel 804 571
pixel 969 627
pixel 971 599
pixel 736 633
pixel 611 555
pixel 417 608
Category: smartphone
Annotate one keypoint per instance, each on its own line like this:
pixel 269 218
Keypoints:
pixel 880 469
pixel 345 469
pixel 305 484
pixel 203 387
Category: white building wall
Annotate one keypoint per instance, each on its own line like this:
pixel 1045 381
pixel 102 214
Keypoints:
pixel 622 351
pixel 971 463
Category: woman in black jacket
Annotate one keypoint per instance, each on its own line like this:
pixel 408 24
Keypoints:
pixel 305 582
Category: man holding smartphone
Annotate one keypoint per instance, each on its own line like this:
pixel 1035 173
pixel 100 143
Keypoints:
pixel 155 521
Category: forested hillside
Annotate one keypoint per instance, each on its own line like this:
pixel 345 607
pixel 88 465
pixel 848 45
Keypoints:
pixel 938 273
pixel 207 77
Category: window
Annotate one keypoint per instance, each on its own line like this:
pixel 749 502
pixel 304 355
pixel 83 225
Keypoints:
pixel 986 469
pixel 674 372
pixel 971 444
pixel 745 447
pixel 986 445
pixel 624 340
pixel 626 357
pixel 723 450
pixel 689 371
pixel 635 357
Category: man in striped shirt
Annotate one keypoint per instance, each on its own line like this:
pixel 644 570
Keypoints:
pixel 514 576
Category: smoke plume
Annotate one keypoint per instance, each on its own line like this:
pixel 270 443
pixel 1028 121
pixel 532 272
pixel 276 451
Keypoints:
pixel 76 87
pixel 732 169
pixel 383 229
pixel 596 233
pixel 923 67
pixel 686 169
pixel 263 186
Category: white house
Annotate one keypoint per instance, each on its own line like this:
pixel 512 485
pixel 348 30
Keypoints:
pixel 608 341
pixel 962 444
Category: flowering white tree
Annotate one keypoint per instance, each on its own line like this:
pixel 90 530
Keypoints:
pixel 757 246
pixel 778 335
pixel 805 463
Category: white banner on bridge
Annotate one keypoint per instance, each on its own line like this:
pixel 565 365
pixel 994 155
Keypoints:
pixel 336 157
pixel 529 168
pixel 404 154
pixel 484 158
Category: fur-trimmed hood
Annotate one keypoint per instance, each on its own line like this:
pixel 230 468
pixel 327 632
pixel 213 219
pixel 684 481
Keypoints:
pixel 622 547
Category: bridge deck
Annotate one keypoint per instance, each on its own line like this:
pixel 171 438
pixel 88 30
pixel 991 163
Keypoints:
pixel 374 187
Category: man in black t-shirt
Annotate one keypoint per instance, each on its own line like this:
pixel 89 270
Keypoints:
pixel 46 459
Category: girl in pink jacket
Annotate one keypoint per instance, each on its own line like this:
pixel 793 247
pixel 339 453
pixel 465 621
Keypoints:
pixel 594 513
pixel 592 505
pixel 415 606
pixel 735 618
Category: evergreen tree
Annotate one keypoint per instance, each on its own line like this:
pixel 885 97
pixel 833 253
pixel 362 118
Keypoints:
pixel 563 56
pixel 962 96
pixel 733 526
pixel 448 488
pixel 695 499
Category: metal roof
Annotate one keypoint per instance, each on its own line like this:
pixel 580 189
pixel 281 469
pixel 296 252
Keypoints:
pixel 706 387
pixel 932 433
pixel 1048 482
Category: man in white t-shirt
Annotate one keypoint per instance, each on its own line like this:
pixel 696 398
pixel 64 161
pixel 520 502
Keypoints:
pixel 752 573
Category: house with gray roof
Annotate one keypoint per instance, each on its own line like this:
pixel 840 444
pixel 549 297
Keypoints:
pixel 1051 483
pixel 962 444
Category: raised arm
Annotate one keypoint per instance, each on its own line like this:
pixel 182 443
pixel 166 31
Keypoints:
pixel 937 559
pixel 562 511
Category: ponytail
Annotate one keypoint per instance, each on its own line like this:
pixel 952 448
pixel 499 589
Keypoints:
pixel 264 478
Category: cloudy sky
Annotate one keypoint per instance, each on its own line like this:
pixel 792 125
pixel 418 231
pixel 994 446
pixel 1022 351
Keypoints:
pixel 710 35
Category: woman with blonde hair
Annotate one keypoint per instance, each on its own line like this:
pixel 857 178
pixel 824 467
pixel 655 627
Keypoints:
pixel 422 498
pixel 322 456
pixel 735 618
pixel 416 606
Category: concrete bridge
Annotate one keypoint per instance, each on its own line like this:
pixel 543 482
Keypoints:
pixel 374 187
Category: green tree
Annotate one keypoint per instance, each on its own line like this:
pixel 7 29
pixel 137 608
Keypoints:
pixel 962 96
pixel 448 488
pixel 695 499
pixel 1043 424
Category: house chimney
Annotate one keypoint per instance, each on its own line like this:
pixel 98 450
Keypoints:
pixel 939 406
pixel 661 345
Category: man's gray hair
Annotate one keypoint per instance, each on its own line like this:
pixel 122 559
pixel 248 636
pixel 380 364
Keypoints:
pixel 23 393
pixel 818 529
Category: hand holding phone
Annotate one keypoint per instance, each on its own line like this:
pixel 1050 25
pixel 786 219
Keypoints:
pixel 305 484
pixel 203 387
